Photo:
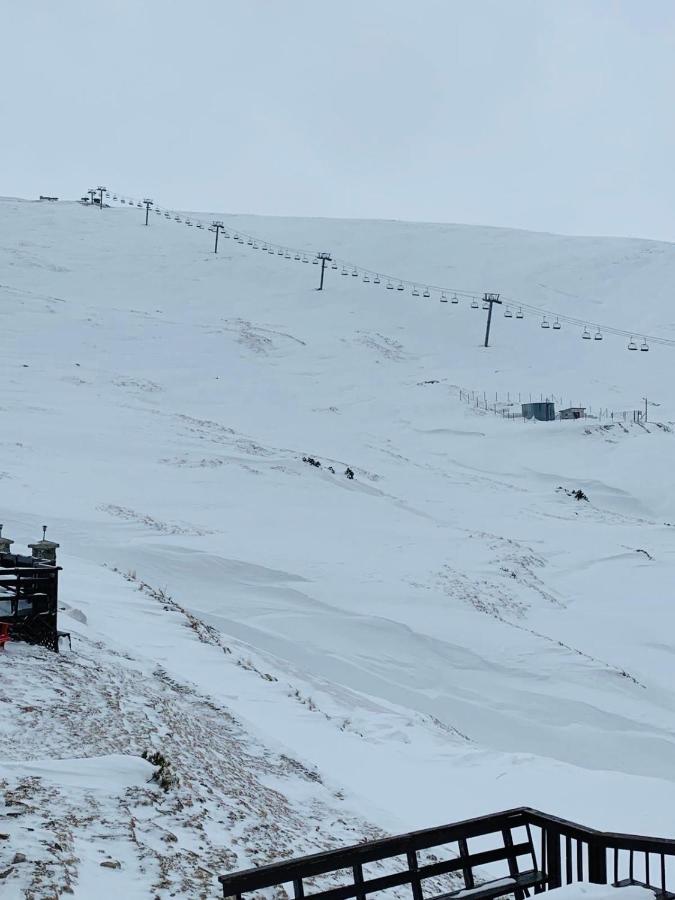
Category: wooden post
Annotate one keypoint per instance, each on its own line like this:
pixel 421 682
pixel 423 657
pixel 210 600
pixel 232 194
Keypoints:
pixel 553 859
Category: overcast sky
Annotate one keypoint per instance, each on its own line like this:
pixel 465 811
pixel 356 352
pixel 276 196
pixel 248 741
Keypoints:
pixel 552 115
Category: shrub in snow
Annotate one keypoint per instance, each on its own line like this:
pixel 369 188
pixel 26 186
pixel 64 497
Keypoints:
pixel 164 775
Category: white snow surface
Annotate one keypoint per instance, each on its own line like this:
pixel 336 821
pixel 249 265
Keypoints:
pixel 323 659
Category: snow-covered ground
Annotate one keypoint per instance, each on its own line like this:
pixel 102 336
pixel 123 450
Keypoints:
pixel 323 658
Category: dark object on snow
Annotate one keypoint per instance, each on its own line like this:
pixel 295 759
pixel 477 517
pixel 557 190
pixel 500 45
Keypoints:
pixel 578 494
pixel 312 461
pixel 349 473
pixel 331 469
pixel 543 412
pixel 648 555
pixel 531 852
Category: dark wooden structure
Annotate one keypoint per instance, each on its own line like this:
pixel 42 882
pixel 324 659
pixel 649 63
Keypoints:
pixel 513 853
pixel 29 599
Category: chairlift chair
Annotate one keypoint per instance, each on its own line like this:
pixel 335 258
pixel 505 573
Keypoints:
pixel 315 261
pixel 426 292
pixel 556 324
pixel 586 335
pixel 304 259
pixel 519 314
pixel 507 313
pixel 366 278
pixel 114 196
pixel 188 223
pixel 166 214
pixel 176 218
pixel 400 287
pixel 280 252
pixel 474 303
pixel 296 257
pixel 199 225
pixel 334 265
pixel 355 272
pixel 632 345
pixel 644 346
pixel 444 299
pixel 455 299
pixel 123 200
pixel 544 323
pixel 139 205
pixel 287 255
pixel 376 279
pixel 107 195
pixel 415 292
pixel 598 335
pixel 390 286
pixel 344 271
pixel 486 305
pixel 271 251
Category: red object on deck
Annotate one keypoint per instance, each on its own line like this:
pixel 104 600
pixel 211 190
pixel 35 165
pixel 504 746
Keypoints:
pixel 4 634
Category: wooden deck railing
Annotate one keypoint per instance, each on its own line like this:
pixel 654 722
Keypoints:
pixel 511 853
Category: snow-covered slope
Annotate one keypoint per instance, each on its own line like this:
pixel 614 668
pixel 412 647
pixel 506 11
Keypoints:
pixel 443 635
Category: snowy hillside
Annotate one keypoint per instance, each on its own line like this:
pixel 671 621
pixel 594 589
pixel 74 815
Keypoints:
pixel 318 657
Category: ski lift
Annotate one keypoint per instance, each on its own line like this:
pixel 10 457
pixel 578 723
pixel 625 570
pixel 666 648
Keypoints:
pixel 176 218
pixel 507 313
pixel 344 271
pixel 287 255
pixel 390 286
pixel 444 299
pixel 304 259
pixel 355 273
pixel 166 214
pixel 544 323
pixel 486 305
pixel 250 242
pixel 557 326
pixel 271 251
pixel 139 205
pixel 632 345
pixel 598 335
pixel 455 299
pixel 199 225
pixel 376 279
pixel 586 335
pixel 519 314
pixel 334 265
pixel 474 303
pixel 399 286
pixel 644 346
pixel 254 245
pixel 296 257
pixel 123 200
pixel 114 196
pixel 426 292
pixel 415 292
pixel 366 278
pixel 280 252
pixel 107 195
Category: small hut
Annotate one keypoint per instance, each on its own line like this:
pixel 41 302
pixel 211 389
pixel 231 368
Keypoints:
pixel 543 411
pixel 573 412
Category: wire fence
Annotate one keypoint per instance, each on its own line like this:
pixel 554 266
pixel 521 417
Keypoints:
pixel 510 406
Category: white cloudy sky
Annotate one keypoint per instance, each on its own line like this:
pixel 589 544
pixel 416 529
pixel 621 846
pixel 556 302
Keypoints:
pixel 543 114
